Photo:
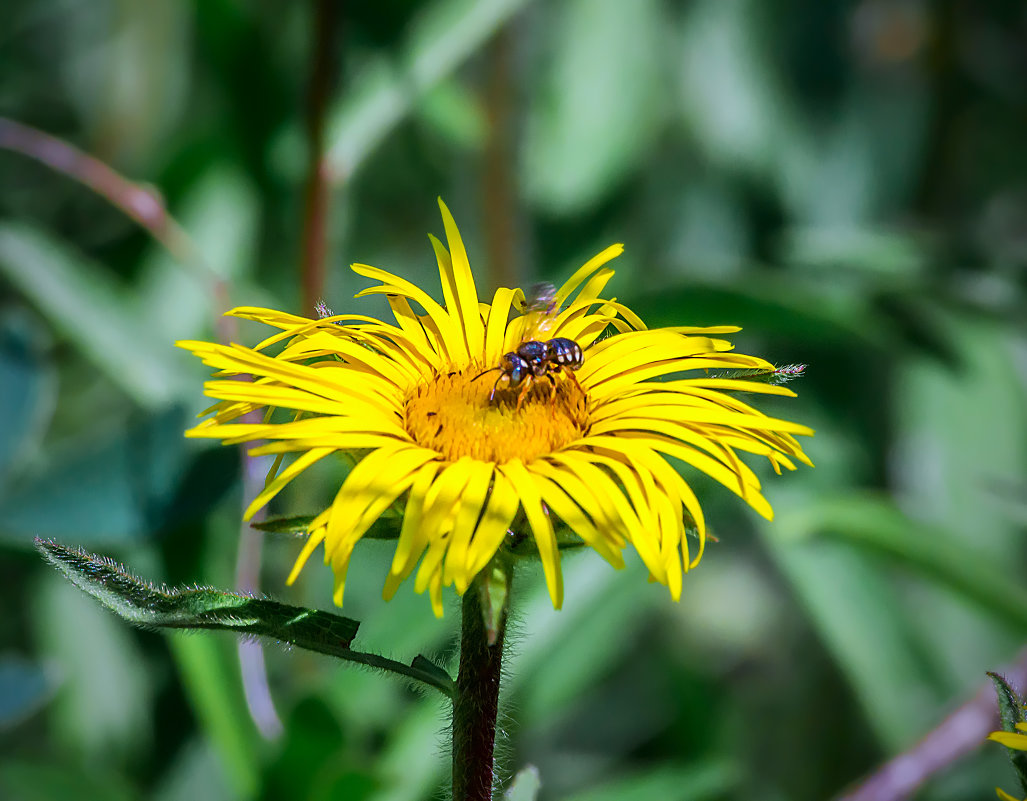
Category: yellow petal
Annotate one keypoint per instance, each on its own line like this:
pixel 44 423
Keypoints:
pixel 585 271
pixel 413 537
pixel 1009 739
pixel 541 527
pixel 495 330
pixel 499 513
pixel 302 462
pixel 578 521
pixel 471 503
pixel 462 282
pixel 394 285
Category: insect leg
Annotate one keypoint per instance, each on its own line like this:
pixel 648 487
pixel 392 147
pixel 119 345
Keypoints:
pixel 552 391
pixel 495 386
pixel 528 381
pixel 574 378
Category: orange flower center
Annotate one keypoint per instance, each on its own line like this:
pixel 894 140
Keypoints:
pixel 452 414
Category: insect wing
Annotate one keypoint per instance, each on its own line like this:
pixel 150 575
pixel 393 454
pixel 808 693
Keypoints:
pixel 540 311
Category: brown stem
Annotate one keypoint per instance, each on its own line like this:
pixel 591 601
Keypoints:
pixel 317 194
pixel 476 703
pixel 960 733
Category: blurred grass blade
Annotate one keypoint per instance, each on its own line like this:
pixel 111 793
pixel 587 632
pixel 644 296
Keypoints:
pixel 29 378
pixel 210 677
pixel 91 310
pixel 143 604
pixel 1011 712
pixel 381 97
pixel 875 524
pixel 707 780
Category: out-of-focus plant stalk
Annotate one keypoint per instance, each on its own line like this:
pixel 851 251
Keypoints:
pixel 497 174
pixel 317 192
pixel 141 203
pixel 956 736
pixel 247 580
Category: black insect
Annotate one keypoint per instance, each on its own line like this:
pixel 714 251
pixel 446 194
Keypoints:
pixel 536 358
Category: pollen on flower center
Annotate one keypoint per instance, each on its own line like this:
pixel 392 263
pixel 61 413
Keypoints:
pixel 452 414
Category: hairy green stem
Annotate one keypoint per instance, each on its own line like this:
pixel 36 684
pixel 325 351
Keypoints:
pixel 476 702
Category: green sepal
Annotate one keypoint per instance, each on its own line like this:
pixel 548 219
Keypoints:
pixel 143 604
pixel 296 525
pixel 1011 711
pixel 495 597
pixel 387 526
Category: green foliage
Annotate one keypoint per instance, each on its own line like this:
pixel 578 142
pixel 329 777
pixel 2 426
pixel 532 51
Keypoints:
pixel 844 180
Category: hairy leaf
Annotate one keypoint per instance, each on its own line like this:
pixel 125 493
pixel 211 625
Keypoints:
pixel 143 604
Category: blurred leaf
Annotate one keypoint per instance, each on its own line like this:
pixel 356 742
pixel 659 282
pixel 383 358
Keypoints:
pixel 313 742
pixel 708 780
pixel 24 689
pixel 29 384
pixel 194 774
pixel 106 491
pixel 525 785
pixel 957 434
pixel 858 617
pixel 729 93
pixel 448 32
pixel 409 763
pixel 601 104
pixel 767 305
pixel 220 214
pixel 873 523
pixel 455 113
pixel 887 257
pixel 104 708
pixel 571 649
pixel 97 316
pixel 917 324
pixel 47 781
pixel 314 763
pixel 129 110
pixel 206 608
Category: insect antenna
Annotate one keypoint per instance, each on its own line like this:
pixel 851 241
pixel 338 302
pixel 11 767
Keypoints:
pixel 486 371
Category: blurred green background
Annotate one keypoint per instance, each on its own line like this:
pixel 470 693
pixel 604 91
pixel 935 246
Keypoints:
pixel 847 180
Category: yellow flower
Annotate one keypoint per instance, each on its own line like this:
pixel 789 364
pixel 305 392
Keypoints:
pixel 411 399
